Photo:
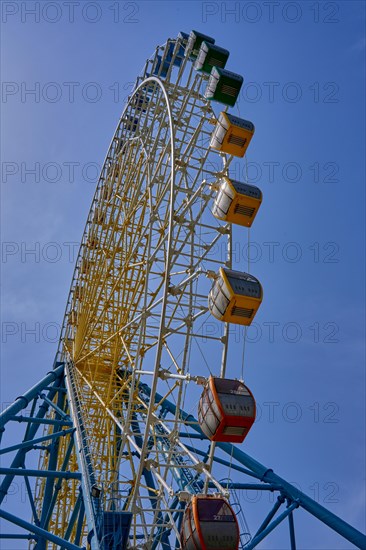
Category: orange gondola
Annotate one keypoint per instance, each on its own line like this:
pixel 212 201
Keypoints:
pixel 209 523
pixel 226 410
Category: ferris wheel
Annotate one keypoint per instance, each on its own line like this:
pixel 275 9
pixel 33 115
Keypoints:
pixel 143 411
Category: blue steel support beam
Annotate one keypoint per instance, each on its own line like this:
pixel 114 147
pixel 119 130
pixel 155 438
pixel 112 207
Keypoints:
pixel 30 427
pixel 73 518
pixel 58 484
pixel 31 431
pixel 35 420
pixel 60 389
pixel 52 465
pixel 13 536
pixel 292 531
pixel 280 500
pixel 258 538
pixel 29 442
pixel 40 473
pixel 23 401
pixel 317 510
pixel 32 442
pixel 60 408
pixel 79 526
pixel 57 408
pixel 42 533
pixel 249 486
pixel 31 501
pixel 189 435
pixel 268 476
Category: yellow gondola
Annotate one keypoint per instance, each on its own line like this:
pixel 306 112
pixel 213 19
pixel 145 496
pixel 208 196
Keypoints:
pixel 237 202
pixel 232 134
pixel 235 297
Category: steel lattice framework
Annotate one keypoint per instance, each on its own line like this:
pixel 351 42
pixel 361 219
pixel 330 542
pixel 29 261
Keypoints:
pixel 110 420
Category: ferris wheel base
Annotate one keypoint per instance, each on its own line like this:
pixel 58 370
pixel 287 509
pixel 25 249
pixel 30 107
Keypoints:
pixel 113 526
pixel 115 530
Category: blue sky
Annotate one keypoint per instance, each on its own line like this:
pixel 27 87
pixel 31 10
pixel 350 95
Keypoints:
pixel 304 86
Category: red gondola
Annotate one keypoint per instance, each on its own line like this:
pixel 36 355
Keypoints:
pixel 209 523
pixel 226 410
